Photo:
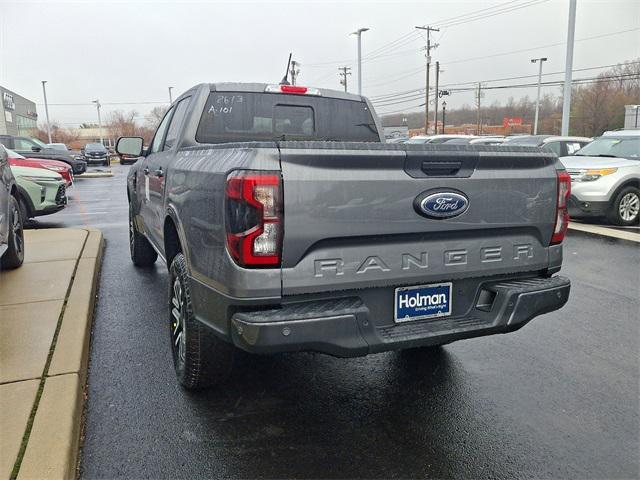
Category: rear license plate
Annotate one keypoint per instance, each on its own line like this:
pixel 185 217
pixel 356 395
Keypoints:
pixel 422 301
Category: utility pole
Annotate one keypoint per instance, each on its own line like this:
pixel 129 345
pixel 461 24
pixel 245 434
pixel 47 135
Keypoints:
pixel 478 119
pixel 568 68
pixel 46 109
pixel 344 71
pixel 97 102
pixel 426 91
pixel 540 61
pixel 294 71
pixel 359 34
pixel 444 108
pixel 170 97
pixel 435 110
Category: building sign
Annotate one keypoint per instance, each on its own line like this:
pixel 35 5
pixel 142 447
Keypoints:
pixel 32 114
pixel 511 122
pixel 8 102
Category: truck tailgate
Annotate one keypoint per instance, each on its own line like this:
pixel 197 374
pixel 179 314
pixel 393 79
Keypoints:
pixel 351 221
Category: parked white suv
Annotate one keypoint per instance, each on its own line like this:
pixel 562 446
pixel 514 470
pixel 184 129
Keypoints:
pixel 605 178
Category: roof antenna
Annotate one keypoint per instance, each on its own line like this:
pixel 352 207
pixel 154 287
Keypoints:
pixel 284 80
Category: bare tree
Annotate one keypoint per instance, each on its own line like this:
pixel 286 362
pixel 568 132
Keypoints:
pixel 155 116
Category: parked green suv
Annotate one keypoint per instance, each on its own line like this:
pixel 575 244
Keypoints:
pixel 40 191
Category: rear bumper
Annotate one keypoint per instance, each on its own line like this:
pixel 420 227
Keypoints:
pixel 346 327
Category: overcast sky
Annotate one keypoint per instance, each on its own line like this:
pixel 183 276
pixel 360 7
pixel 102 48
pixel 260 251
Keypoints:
pixel 130 52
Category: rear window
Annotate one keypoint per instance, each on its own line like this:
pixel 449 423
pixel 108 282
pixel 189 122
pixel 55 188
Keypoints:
pixel 244 117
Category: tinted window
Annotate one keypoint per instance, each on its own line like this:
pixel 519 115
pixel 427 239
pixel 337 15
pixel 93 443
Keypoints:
pixel 176 123
pixel 156 146
pixel 23 144
pixel 555 147
pixel 242 117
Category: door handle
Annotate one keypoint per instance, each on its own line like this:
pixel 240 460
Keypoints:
pixel 146 170
pixel 159 172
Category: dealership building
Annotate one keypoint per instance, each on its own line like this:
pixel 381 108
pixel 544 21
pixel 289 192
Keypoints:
pixel 18 115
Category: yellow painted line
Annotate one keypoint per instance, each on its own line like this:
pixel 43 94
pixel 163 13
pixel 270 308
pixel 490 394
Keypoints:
pixel 604 231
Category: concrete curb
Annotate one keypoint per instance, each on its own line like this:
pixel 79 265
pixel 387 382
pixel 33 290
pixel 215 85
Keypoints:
pixel 54 439
pixel 94 175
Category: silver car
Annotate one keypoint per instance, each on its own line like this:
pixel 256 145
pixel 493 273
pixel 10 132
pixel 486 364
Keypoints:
pixel 11 235
pixel 605 178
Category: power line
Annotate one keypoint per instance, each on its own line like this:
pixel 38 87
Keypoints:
pixel 445 20
pixel 414 71
pixel 541 46
pixel 454 23
pixel 577 81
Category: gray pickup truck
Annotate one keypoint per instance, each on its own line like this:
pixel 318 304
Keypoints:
pixel 288 225
pixel 11 233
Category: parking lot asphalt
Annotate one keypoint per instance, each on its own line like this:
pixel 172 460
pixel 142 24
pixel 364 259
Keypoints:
pixel 558 398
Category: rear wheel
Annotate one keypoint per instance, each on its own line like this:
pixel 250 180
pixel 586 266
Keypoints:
pixel 200 358
pixel 142 253
pixel 14 256
pixel 625 209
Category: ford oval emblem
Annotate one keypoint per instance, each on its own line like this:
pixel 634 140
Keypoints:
pixel 441 204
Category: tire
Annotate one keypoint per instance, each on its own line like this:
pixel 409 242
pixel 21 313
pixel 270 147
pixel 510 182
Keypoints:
pixel 625 209
pixel 14 255
pixel 142 253
pixel 200 358
pixel 24 210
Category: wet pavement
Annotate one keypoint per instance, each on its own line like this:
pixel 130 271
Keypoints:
pixel 558 398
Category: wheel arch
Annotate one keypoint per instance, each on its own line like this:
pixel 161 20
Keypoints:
pixel 174 238
pixel 630 182
pixel 21 194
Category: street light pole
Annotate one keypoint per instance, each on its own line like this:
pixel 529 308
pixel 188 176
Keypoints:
pixel 540 61
pixel 97 102
pixel 435 110
pixel 568 68
pixel 359 34
pixel 170 97
pixel 46 109
pixel 444 109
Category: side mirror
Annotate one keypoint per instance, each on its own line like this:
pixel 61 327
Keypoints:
pixel 4 156
pixel 35 149
pixel 129 146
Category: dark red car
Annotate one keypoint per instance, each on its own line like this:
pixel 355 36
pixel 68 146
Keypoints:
pixel 62 168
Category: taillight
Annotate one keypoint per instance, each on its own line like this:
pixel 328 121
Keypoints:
pixel 562 214
pixel 254 218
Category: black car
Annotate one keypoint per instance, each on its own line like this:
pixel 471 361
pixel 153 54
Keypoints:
pixel 34 148
pixel 96 153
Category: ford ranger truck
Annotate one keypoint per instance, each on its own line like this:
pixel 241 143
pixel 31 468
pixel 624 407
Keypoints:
pixel 287 224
